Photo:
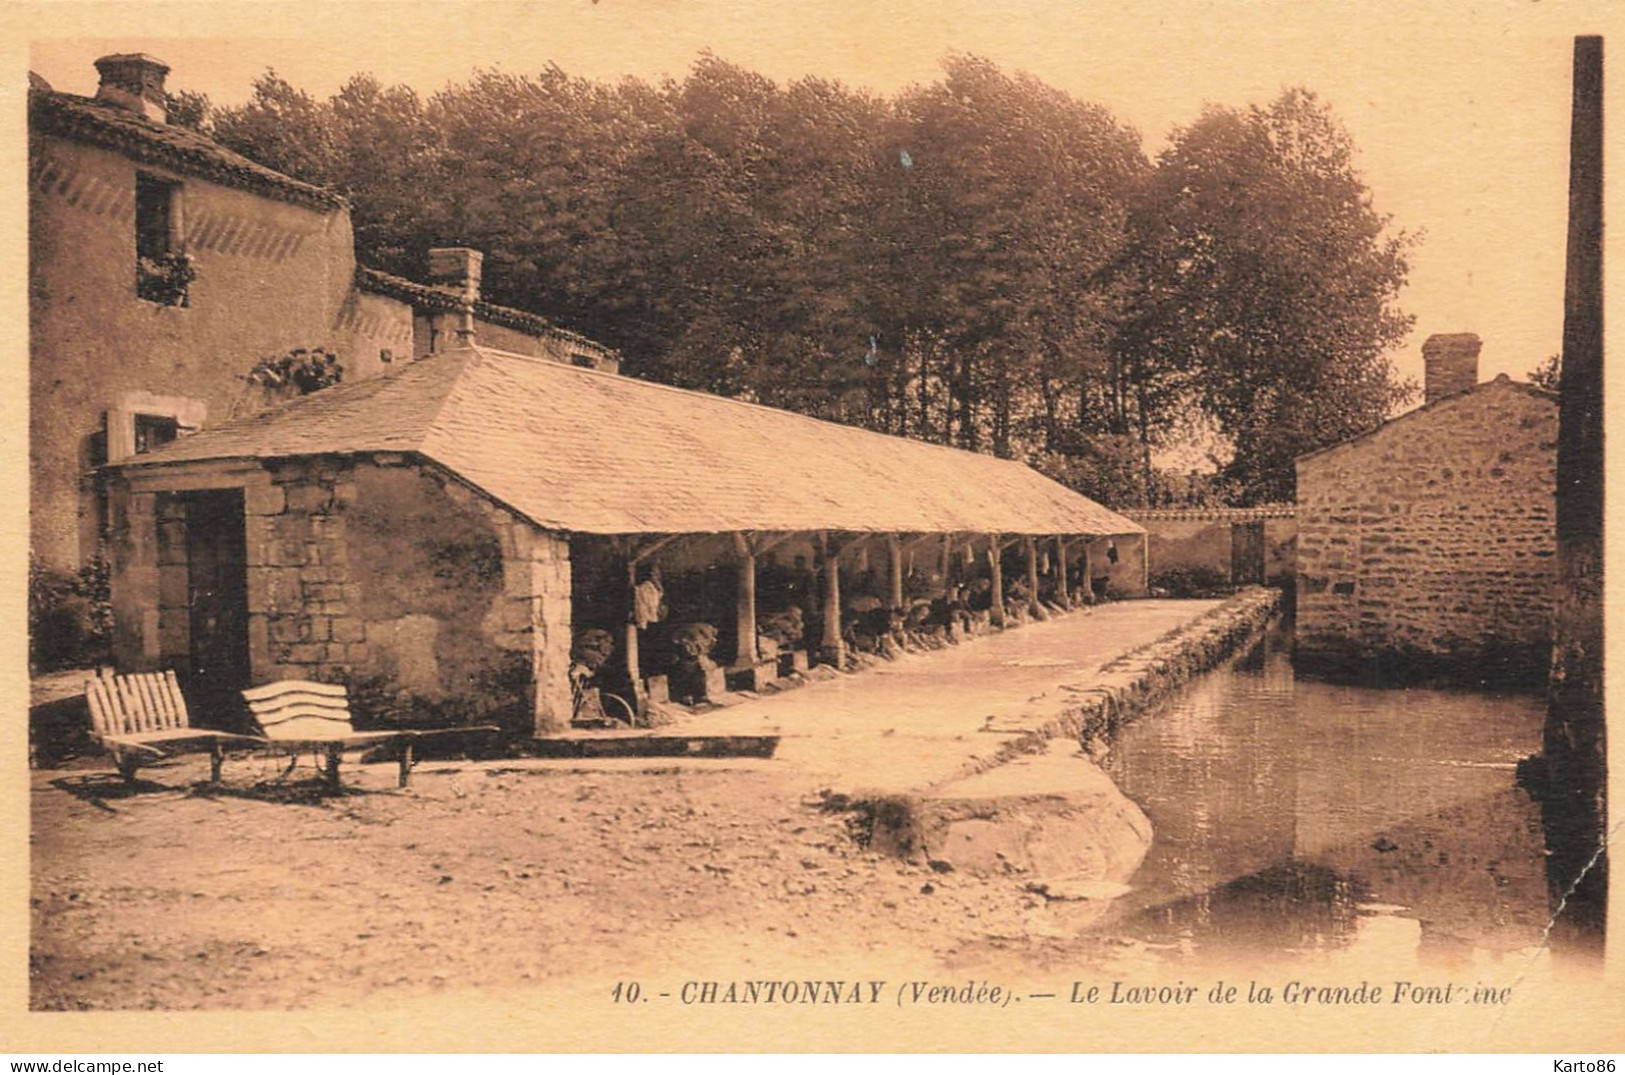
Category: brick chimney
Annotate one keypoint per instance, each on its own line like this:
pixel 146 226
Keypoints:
pixel 458 268
pixel 1451 361
pixel 134 81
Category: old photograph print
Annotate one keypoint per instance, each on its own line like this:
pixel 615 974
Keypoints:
pixel 614 525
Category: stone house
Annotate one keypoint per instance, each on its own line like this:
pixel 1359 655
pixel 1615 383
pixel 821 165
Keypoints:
pixel 1427 545
pixel 163 266
pixel 449 527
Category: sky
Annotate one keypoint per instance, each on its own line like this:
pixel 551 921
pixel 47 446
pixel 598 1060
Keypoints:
pixel 1459 110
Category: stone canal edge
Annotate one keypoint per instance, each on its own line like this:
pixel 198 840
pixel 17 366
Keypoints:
pixel 1040 810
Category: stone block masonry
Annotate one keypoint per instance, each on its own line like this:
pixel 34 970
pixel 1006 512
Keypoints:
pixel 381 572
pixel 1427 546
pixel 1034 802
pixel 1138 681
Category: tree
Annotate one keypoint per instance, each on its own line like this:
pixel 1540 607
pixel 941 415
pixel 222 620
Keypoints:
pixel 983 261
pixel 1264 284
pixel 189 109
pixel 1547 375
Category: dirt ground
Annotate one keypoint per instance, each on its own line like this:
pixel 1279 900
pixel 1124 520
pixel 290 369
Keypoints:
pixel 175 895
pixel 265 893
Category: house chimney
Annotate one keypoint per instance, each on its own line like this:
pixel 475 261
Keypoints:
pixel 134 81
pixel 458 268
pixel 1451 361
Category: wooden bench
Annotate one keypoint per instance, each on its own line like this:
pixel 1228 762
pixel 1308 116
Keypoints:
pixel 143 717
pixel 297 715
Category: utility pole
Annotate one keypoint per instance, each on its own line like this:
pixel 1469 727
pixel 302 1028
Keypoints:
pixel 1575 800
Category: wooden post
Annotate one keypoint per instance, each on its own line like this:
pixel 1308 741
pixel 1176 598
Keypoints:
pixel 832 647
pixel 1088 574
pixel 1145 564
pixel 1574 803
pixel 947 563
pixel 1032 575
pixel 634 662
pixel 405 762
pixel 1062 592
pixel 894 557
pixel 335 753
pixel 745 652
pixel 995 564
pixel 217 754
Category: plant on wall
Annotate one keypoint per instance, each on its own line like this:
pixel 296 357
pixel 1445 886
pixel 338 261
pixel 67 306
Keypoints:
pixel 165 278
pixel 302 371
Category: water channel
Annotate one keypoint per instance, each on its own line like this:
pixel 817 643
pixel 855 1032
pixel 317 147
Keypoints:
pixel 1294 817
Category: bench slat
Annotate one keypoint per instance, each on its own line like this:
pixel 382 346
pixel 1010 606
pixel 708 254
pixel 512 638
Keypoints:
pixel 178 698
pixel 161 702
pixel 151 703
pixel 315 727
pixel 288 712
pixel 136 704
pixel 129 706
pixel 305 686
pixel 300 701
pixel 101 707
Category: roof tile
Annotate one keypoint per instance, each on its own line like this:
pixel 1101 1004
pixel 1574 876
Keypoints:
pixel 578 450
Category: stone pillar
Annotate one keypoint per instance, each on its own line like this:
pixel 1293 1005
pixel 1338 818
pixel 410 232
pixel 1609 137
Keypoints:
pixel 894 561
pixel 1062 589
pixel 995 565
pixel 133 577
pixel 546 578
pixel 1032 575
pixel 832 648
pixel 745 652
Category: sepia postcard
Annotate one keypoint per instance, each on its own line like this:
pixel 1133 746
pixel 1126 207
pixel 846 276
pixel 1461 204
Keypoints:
pixel 634 526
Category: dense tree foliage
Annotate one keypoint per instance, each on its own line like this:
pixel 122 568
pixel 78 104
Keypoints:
pixel 1264 284
pixel 983 261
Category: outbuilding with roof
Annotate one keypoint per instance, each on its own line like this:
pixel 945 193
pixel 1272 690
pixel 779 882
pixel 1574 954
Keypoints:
pixel 1427 545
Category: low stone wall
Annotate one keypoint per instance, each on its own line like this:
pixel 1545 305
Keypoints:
pixel 1139 680
pixel 1065 820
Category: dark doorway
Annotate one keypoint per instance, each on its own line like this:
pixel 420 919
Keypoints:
pixel 1247 554
pixel 217 605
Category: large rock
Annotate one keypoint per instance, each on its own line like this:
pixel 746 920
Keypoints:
pixel 1053 818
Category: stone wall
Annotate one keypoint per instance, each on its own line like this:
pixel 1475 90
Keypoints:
pixel 1280 551
pixel 1189 544
pixel 1126 577
pixel 1429 543
pixel 1201 540
pixel 383 573
pixel 436 331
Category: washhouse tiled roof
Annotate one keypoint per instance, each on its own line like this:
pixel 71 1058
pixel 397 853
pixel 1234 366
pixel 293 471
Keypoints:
pixel 166 145
pixel 578 450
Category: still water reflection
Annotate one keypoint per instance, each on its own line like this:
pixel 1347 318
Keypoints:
pixel 1293 815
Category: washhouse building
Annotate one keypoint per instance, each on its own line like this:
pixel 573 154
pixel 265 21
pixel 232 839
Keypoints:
pixel 457 527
